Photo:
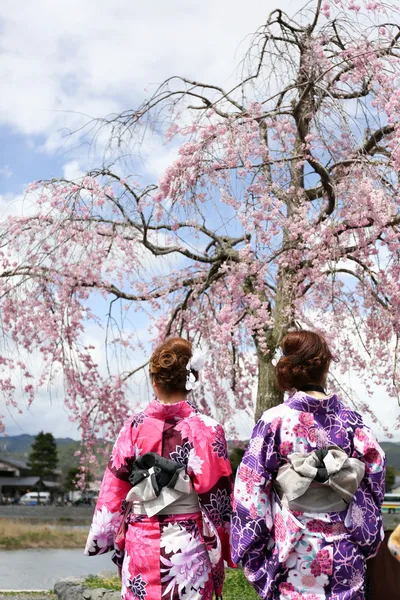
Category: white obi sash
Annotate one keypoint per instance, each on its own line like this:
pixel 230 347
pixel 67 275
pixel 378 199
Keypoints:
pixel 161 486
pixel 321 481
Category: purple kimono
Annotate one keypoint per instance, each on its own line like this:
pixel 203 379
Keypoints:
pixel 297 555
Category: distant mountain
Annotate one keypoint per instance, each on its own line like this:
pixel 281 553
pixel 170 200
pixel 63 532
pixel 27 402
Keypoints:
pixel 20 445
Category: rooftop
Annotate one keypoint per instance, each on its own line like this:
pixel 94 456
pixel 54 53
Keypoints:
pixel 13 462
pixel 25 482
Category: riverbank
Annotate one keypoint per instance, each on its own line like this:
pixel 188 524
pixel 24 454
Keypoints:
pixel 27 595
pixel 17 535
pixel 63 515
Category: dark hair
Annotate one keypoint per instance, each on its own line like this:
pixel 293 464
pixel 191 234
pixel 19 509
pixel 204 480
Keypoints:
pixel 168 365
pixel 306 357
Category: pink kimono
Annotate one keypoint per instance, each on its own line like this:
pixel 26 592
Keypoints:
pixel 171 556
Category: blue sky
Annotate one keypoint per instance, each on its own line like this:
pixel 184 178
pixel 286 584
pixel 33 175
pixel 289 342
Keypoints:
pixel 21 162
pixel 64 61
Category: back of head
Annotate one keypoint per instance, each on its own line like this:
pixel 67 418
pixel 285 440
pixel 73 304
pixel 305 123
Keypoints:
pixel 306 358
pixel 168 365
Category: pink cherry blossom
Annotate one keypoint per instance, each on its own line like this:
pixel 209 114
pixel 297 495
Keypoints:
pixel 281 207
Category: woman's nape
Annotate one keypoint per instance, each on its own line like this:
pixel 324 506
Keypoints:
pixel 166 398
pixel 316 393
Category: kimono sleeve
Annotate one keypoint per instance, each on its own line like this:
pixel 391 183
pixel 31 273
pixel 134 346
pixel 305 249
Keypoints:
pixel 213 484
pixel 108 514
pixel 252 519
pixel 364 516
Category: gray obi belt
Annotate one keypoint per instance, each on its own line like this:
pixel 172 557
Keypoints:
pixel 160 487
pixel 321 481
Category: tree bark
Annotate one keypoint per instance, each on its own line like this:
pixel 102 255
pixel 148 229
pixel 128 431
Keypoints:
pixel 268 394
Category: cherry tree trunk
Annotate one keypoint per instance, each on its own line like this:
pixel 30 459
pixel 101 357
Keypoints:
pixel 268 394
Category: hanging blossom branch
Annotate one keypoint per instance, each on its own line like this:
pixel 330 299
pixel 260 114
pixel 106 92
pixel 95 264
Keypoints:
pixel 282 204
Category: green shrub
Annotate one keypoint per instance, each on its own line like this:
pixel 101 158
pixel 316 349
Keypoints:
pixel 237 588
pixel 109 583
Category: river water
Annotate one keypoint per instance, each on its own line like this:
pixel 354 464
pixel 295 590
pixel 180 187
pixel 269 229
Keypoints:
pixel 40 569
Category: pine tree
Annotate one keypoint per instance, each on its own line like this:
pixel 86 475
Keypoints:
pixel 43 458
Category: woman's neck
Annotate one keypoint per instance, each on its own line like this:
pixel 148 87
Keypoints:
pixel 317 395
pixel 172 399
pixel 315 390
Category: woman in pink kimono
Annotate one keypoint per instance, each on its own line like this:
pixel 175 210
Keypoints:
pixel 308 494
pixel 165 501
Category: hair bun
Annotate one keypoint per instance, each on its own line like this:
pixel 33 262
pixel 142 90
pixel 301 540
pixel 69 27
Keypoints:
pixel 168 365
pixel 166 359
pixel 306 356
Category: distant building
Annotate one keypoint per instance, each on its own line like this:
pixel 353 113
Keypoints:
pixel 16 479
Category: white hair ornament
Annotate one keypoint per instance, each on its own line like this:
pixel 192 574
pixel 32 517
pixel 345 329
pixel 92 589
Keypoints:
pixel 277 356
pixel 196 363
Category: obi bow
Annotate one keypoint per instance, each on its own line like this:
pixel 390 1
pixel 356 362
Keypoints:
pixel 157 482
pixel 319 481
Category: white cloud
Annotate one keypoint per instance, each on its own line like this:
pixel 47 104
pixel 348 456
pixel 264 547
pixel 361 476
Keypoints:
pixel 98 57
pixel 10 204
pixel 72 170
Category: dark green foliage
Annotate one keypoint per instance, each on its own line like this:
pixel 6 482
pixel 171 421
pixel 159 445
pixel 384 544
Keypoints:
pixel 235 456
pixel 43 458
pixel 70 479
pixel 390 477
pixel 392 450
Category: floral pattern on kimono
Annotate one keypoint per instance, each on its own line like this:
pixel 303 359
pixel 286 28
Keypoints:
pixel 306 556
pixel 176 557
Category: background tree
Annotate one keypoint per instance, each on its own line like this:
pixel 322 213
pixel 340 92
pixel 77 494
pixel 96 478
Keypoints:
pixel 43 458
pixel 72 477
pixel 235 456
pixel 281 210
pixel 390 478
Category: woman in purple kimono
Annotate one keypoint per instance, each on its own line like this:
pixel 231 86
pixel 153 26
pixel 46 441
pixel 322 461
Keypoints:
pixel 165 501
pixel 308 494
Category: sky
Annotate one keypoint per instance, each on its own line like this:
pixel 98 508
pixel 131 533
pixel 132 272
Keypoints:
pixel 63 63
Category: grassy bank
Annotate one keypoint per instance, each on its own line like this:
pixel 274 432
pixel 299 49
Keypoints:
pixel 235 588
pixel 18 535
